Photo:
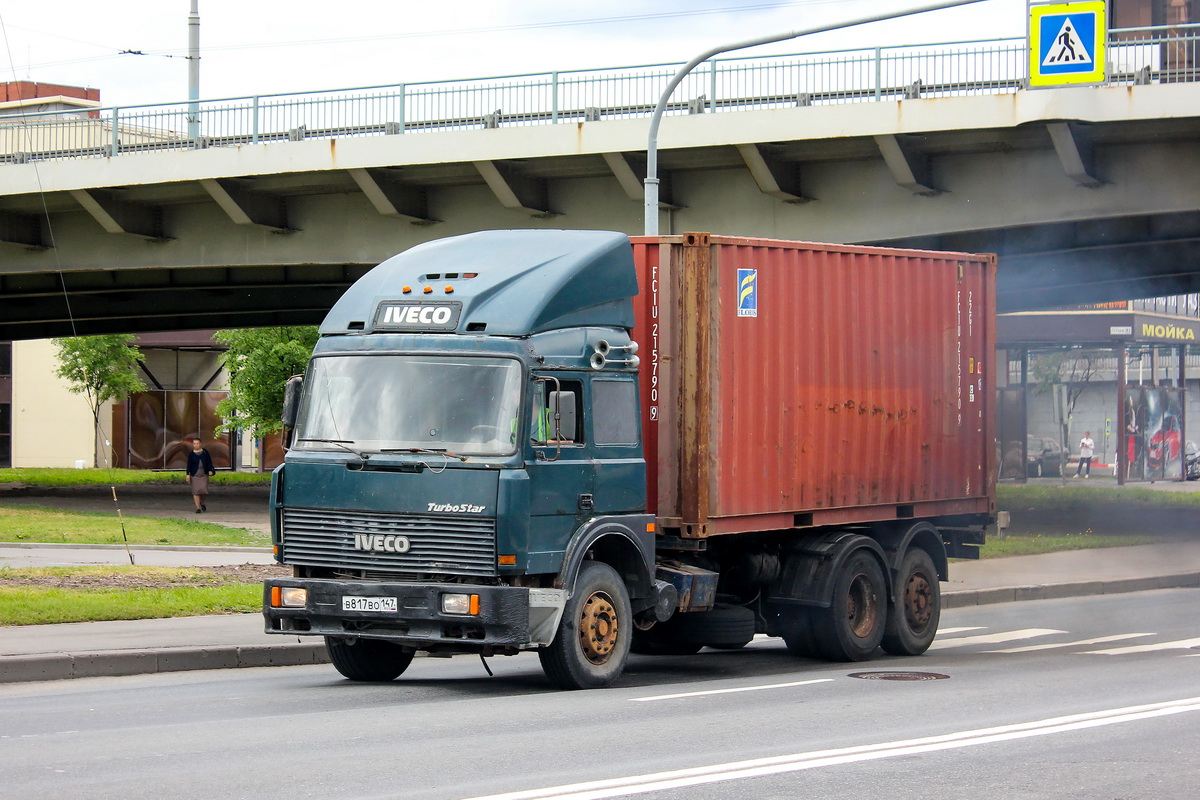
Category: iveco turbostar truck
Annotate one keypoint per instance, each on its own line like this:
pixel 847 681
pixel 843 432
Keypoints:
pixel 584 445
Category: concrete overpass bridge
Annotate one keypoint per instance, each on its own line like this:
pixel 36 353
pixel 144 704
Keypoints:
pixel 259 211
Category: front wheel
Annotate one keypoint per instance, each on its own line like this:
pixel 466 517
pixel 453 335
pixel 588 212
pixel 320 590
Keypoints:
pixel 592 643
pixel 913 620
pixel 368 659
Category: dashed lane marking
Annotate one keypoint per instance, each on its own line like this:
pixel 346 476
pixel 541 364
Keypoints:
pixel 992 638
pixel 1099 640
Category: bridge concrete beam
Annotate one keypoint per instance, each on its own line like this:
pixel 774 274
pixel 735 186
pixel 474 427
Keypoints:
pixel 910 168
pixel 630 171
pixel 774 176
pixel 391 198
pixel 514 189
pixel 1073 144
pixel 116 215
pixel 248 208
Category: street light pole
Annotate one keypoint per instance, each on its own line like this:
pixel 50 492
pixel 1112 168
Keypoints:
pixel 651 182
pixel 194 72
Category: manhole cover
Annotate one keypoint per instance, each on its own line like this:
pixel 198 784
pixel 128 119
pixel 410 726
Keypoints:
pixel 899 676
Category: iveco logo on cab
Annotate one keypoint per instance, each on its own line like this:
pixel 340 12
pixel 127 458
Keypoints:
pixel 379 543
pixel 417 315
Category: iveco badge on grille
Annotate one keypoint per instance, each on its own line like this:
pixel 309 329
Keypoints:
pixel 380 543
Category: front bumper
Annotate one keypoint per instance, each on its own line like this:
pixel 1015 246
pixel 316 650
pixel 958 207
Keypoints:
pixel 508 616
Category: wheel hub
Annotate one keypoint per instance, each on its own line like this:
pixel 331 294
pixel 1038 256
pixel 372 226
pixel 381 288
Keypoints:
pixel 918 602
pixel 598 627
pixel 861 608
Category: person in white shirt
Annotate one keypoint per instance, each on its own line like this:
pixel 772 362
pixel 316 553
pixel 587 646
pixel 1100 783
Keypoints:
pixel 1086 448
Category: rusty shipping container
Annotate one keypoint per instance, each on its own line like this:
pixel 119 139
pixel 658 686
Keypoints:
pixel 793 384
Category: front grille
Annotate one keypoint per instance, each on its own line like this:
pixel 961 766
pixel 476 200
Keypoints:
pixel 442 545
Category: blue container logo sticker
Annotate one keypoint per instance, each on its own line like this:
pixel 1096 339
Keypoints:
pixel 747 292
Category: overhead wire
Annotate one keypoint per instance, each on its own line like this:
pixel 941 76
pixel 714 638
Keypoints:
pixel 98 431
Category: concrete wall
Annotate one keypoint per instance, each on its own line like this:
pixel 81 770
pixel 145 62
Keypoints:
pixel 50 426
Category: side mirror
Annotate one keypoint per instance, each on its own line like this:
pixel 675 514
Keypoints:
pixel 562 416
pixel 291 406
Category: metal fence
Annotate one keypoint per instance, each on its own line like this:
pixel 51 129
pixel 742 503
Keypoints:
pixel 1135 56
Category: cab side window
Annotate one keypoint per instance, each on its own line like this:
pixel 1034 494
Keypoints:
pixel 547 399
pixel 614 412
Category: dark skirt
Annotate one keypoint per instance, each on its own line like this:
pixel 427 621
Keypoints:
pixel 200 485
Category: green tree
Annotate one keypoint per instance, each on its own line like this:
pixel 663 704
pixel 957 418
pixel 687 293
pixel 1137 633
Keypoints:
pixel 103 368
pixel 259 361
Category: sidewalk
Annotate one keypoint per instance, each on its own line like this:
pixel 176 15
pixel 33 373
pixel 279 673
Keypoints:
pixel 88 649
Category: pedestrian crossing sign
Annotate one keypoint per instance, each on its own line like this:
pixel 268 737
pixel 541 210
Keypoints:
pixel 1067 43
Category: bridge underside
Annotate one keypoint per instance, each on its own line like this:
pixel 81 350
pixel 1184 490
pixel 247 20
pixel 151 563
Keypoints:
pixel 1085 194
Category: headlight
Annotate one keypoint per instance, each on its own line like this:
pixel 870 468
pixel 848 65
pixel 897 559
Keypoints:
pixel 288 597
pixel 460 604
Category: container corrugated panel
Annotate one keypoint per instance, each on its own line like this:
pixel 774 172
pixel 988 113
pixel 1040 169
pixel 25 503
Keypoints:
pixel 790 384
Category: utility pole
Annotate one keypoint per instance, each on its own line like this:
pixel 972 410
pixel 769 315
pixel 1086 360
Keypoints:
pixel 194 72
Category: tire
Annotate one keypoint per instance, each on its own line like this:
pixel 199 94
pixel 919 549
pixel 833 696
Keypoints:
pixel 913 621
pixel 851 628
pixel 724 626
pixel 592 644
pixel 798 634
pixel 368 659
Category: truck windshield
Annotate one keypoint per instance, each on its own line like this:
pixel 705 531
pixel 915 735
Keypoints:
pixel 466 406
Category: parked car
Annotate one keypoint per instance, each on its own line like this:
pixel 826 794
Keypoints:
pixel 1043 456
pixel 1191 461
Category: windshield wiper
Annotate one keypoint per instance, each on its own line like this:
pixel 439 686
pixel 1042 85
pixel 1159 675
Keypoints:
pixel 342 443
pixel 437 451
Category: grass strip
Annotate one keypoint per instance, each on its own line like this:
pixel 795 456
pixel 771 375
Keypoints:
pixel 1039 544
pixel 1075 496
pixel 38 605
pixel 59 477
pixel 43 525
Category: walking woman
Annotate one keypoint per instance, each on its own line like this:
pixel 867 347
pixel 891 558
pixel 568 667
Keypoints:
pixel 199 468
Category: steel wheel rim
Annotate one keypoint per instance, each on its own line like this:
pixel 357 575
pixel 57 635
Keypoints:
pixel 918 602
pixel 598 627
pixel 862 611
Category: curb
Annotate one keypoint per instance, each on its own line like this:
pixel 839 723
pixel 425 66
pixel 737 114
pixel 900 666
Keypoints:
pixel 1055 591
pixel 190 548
pixel 111 663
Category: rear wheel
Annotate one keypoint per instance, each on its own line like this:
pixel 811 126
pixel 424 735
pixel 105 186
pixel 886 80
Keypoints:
pixel 852 627
pixel 368 659
pixel 592 643
pixel 913 620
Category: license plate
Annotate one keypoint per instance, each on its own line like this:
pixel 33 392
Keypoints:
pixel 381 604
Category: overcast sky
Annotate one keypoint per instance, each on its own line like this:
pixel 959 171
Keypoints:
pixel 250 47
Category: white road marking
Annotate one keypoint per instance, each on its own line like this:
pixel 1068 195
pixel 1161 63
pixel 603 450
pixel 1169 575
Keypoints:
pixel 1100 640
pixel 760 767
pixel 1182 644
pixel 729 691
pixel 948 631
pixel 992 638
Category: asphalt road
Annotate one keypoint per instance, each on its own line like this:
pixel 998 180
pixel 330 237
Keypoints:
pixel 1089 698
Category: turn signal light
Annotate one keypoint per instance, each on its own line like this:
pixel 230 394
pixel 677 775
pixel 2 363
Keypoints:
pixel 464 604
pixel 506 561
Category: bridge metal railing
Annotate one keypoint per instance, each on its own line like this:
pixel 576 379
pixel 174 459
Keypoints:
pixel 1135 56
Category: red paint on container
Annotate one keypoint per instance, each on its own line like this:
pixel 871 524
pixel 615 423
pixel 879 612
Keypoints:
pixel 793 384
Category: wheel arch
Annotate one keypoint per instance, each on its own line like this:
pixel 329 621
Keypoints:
pixel 623 543
pixel 811 570
pixel 897 539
